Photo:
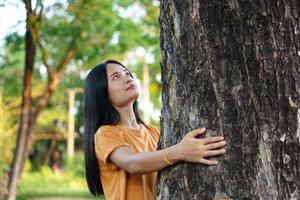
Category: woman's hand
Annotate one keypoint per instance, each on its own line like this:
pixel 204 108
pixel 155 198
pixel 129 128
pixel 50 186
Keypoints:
pixel 192 149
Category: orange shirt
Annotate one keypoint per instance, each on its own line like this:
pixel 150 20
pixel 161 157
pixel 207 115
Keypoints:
pixel 117 183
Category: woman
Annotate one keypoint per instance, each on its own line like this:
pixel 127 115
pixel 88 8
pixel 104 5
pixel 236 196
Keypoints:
pixel 120 149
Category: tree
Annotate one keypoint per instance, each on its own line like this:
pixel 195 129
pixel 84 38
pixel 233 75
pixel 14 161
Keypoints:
pixel 232 66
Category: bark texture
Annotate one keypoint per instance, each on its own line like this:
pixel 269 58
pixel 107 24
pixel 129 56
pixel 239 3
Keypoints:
pixel 234 67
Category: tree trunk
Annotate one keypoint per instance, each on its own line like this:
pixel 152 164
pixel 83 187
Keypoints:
pixel 27 120
pixel 232 66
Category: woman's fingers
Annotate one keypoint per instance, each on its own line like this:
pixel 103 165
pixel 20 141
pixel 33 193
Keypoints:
pixel 210 154
pixel 212 139
pixel 215 145
pixel 198 150
pixel 208 162
pixel 197 132
pixel 214 153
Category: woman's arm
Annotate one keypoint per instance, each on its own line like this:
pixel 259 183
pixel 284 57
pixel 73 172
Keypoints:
pixel 189 149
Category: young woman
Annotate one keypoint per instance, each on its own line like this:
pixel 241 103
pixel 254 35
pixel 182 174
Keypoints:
pixel 121 158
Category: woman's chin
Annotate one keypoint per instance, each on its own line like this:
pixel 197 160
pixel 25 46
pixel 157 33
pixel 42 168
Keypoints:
pixel 130 100
pixel 134 95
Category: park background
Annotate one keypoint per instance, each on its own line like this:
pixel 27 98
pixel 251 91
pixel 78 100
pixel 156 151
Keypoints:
pixel 231 66
pixel 124 30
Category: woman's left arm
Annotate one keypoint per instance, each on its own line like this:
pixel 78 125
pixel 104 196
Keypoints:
pixel 190 149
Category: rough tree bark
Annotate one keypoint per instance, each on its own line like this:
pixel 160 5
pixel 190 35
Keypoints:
pixel 232 66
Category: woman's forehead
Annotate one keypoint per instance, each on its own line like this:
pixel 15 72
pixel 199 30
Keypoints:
pixel 113 67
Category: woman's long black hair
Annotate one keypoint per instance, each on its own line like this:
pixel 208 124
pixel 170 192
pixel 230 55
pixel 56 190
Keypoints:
pixel 98 112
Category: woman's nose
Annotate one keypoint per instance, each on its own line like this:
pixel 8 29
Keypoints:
pixel 127 79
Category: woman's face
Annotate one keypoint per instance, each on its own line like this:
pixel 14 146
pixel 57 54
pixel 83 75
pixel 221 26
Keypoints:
pixel 122 88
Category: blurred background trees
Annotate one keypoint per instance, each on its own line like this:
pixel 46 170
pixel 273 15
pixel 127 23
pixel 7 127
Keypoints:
pixel 95 30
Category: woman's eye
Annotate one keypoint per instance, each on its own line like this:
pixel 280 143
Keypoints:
pixel 127 73
pixel 115 77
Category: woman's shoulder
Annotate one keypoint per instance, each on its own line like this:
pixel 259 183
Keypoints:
pixel 108 126
pixel 107 129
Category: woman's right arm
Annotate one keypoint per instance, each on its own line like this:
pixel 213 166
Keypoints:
pixel 190 149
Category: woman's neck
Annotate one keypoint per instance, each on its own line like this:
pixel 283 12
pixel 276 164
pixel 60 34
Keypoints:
pixel 127 117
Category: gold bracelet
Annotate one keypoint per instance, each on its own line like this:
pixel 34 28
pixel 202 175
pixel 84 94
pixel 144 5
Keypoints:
pixel 166 159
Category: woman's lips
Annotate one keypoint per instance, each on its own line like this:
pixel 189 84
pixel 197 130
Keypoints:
pixel 132 86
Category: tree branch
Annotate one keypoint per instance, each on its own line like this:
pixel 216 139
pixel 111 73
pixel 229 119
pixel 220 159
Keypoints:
pixel 56 78
pixel 34 21
pixel 37 38
pixel 66 59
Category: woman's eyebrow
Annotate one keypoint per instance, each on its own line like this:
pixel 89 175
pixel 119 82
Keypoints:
pixel 125 70
pixel 113 74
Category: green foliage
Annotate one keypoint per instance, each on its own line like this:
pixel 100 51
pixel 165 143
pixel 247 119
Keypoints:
pixel 7 129
pixel 76 165
pixel 11 65
pixel 45 183
pixel 50 116
pixel 4 167
pixel 91 26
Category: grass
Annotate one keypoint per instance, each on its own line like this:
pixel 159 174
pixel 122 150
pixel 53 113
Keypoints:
pixel 45 184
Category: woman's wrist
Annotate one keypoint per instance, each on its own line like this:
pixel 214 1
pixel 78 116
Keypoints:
pixel 173 154
pixel 166 158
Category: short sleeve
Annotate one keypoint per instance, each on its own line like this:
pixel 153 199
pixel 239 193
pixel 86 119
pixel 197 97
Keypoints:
pixel 107 139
